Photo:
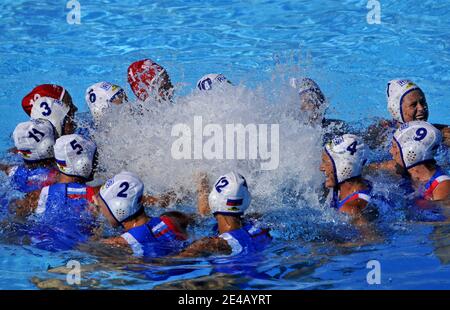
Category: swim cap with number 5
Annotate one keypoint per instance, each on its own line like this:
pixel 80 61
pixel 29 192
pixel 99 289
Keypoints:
pixel 74 155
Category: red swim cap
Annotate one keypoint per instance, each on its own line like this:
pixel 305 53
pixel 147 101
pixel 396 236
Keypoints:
pixel 142 76
pixel 45 90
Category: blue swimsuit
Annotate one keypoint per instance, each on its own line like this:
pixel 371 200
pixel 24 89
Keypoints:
pixel 248 239
pixel 158 237
pixel 29 180
pixel 62 219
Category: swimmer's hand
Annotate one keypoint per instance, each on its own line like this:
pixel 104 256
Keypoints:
pixel 203 189
pixel 5 168
pixel 163 200
pixel 206 247
pixel 389 165
pixel 27 205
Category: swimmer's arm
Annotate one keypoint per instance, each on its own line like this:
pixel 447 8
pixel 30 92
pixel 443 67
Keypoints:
pixel 202 195
pixel 163 200
pixel 354 208
pixel 446 135
pixel 441 126
pixel 117 242
pixel 12 150
pixel 442 191
pixel 389 165
pixel 206 247
pixel 27 205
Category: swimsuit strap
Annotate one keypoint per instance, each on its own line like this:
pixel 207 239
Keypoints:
pixel 438 177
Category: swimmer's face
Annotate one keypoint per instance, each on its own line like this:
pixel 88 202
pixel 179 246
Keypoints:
pixel 395 152
pixel 311 103
pixel 414 106
pixel 103 209
pixel 120 98
pixel 327 168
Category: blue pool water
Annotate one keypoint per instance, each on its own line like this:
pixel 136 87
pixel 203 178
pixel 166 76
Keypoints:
pixel 249 42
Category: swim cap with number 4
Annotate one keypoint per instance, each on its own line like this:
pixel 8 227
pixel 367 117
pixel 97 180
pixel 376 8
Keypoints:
pixel 75 155
pixel 418 141
pixel 122 195
pixel 230 195
pixel 348 155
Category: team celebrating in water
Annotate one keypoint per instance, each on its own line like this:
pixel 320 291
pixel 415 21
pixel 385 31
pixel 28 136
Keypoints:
pixel 60 210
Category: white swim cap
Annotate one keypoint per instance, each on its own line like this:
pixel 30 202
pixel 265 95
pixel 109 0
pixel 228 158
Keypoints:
pixel 417 142
pixel 122 195
pixel 75 155
pixel 207 81
pixel 396 90
pixel 51 109
pixel 230 195
pixel 348 155
pixel 100 96
pixel 34 139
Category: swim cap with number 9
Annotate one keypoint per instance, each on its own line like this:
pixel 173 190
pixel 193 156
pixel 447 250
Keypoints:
pixel 418 141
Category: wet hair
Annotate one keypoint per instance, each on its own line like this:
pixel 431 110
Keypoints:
pixel 310 91
pixel 182 219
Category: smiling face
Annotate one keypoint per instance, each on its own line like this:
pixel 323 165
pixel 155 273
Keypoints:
pixel 102 208
pixel 395 152
pixel 327 168
pixel 414 106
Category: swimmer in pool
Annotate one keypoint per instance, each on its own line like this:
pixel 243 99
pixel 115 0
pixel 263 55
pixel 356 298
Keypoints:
pixel 60 114
pixel 212 80
pixel 227 202
pixel 342 162
pixel 413 149
pixel 101 96
pixel 74 156
pixel 148 79
pixel 120 201
pixel 34 141
pixel 42 97
pixel 313 103
pixel 406 102
pixel 61 216
pixel 50 91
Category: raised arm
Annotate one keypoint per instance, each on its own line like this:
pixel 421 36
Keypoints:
pixel 202 194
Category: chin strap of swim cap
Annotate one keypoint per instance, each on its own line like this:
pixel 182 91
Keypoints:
pixel 417 142
pixel 396 90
